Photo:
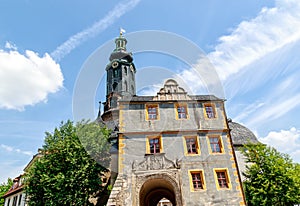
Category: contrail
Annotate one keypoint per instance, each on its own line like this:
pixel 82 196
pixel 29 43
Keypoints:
pixel 75 40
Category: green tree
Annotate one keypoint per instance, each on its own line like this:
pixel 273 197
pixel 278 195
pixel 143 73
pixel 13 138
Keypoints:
pixel 4 187
pixel 66 174
pixel 271 177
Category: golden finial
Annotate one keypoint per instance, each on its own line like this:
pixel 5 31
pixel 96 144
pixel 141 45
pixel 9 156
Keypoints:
pixel 122 31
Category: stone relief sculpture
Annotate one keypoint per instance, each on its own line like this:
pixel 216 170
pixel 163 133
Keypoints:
pixel 154 162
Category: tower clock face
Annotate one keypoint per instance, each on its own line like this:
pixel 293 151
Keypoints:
pixel 114 65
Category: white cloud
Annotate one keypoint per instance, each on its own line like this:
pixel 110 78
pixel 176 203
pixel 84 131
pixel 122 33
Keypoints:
pixel 272 29
pixel 75 40
pixel 10 46
pixel 274 110
pixel 27 79
pixel 285 141
pixel 149 90
pixel 15 150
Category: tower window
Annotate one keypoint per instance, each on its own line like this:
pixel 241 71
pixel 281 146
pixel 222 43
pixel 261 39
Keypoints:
pixel 115 85
pixel 125 70
pixel 222 179
pixel 154 145
pixel 210 111
pixel 181 111
pixel 192 145
pixel 115 73
pixel 197 180
pixel 215 144
pixel 152 112
pixel 126 86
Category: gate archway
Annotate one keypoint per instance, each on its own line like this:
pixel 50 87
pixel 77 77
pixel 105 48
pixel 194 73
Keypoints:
pixel 158 187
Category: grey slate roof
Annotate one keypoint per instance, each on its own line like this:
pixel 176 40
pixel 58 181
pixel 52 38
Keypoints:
pixel 150 98
pixel 240 134
pixel 205 97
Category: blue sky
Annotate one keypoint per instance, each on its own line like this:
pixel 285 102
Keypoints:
pixel 253 45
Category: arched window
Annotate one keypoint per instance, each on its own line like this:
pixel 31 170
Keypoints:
pixel 125 70
pixel 115 74
pixel 115 85
pixel 126 87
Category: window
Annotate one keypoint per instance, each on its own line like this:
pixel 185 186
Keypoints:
pixel 20 199
pixel 125 70
pixel 152 112
pixel 181 111
pixel 222 179
pixel 210 111
pixel 126 86
pixel 154 145
pixel 115 73
pixel 15 201
pixel 215 144
pixel 197 180
pixel 115 85
pixel 191 145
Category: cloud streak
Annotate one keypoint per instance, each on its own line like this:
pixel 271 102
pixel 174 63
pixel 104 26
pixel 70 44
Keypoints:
pixel 15 150
pixel 272 29
pixel 77 39
pixel 274 111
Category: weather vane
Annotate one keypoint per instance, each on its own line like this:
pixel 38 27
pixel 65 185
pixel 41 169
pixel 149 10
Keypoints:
pixel 122 31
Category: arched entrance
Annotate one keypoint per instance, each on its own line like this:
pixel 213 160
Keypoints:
pixel 156 188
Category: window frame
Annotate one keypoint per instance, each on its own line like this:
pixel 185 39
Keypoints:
pixel 197 145
pixel 227 178
pixel 213 106
pixel 185 106
pixel 147 111
pixel 148 147
pixel 221 145
pixel 202 179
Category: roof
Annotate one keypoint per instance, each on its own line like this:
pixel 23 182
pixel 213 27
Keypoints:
pixel 152 98
pixel 240 134
pixel 34 158
pixel 16 187
pixel 171 91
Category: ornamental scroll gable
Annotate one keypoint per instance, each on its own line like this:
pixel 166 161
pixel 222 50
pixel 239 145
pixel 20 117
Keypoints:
pixel 171 91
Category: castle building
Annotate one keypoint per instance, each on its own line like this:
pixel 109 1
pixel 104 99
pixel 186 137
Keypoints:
pixel 171 148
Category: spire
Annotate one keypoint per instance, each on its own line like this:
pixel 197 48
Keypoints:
pixel 120 43
pixel 120 51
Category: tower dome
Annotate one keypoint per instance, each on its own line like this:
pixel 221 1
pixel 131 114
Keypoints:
pixel 240 134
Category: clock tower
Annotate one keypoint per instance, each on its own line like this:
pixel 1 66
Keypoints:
pixel 120 79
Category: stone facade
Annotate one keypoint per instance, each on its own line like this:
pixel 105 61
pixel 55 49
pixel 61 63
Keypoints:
pixel 172 146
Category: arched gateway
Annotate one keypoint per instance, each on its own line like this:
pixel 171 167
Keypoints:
pixel 157 187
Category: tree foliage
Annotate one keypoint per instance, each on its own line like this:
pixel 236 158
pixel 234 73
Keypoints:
pixel 271 177
pixel 66 174
pixel 4 187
